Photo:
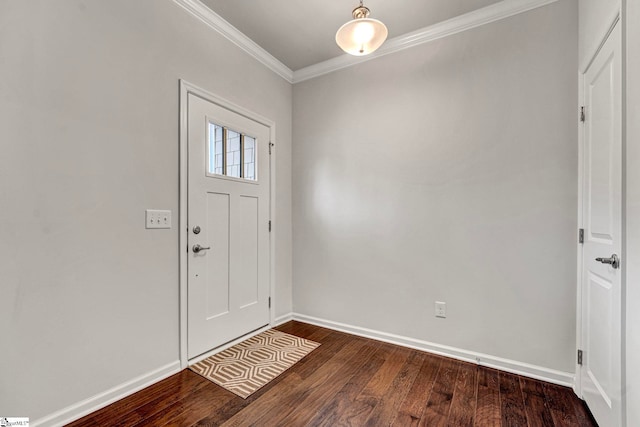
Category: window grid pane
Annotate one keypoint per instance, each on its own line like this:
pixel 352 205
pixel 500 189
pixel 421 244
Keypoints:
pixel 249 158
pixel 215 149
pixel 231 153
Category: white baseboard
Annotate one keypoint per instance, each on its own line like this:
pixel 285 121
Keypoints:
pixel 566 379
pixel 282 319
pixel 92 404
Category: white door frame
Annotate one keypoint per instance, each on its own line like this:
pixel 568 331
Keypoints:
pixel 581 179
pixel 187 88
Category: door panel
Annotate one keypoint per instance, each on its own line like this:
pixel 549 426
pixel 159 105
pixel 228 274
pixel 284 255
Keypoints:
pixel 216 280
pixel 599 345
pixel 228 280
pixel 248 276
pixel 601 146
pixel 601 283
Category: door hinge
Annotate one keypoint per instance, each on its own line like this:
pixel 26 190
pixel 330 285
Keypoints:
pixel 580 357
pixel 269 302
pixel 269 226
pixel 581 235
pixel 271 144
pixel 582 115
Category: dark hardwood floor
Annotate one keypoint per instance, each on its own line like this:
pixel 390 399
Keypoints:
pixel 353 381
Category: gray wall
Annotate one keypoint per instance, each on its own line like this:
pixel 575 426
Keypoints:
pixel 632 264
pixel 89 119
pixel 446 172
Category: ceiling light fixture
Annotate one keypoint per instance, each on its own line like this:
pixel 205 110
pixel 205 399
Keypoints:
pixel 362 35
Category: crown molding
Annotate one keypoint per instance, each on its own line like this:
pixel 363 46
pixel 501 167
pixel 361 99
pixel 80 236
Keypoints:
pixel 215 21
pixel 495 12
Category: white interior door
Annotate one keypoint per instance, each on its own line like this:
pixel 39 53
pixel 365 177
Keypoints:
pixel 228 225
pixel 602 208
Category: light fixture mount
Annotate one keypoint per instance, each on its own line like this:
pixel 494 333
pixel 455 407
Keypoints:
pixel 362 35
pixel 361 12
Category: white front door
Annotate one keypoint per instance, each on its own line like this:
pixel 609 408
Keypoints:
pixel 228 225
pixel 602 208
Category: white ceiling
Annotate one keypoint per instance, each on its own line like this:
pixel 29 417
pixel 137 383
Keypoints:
pixel 302 33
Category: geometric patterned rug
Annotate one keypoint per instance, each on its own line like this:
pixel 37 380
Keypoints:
pixel 249 365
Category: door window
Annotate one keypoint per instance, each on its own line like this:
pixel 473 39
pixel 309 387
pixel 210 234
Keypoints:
pixel 231 153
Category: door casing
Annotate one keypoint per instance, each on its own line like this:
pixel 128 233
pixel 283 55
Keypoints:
pixel 187 88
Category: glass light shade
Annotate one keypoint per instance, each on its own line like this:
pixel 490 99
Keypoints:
pixel 361 36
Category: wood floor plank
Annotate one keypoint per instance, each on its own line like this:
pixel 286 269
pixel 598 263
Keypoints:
pixel 358 412
pixel 387 373
pixel 413 406
pixel 158 404
pixel 288 327
pixel 334 343
pixel 359 408
pixel 387 408
pixel 331 412
pixel 316 398
pixel 536 410
pixel 351 380
pixel 298 329
pixel 265 407
pixel 139 406
pixel 488 400
pixel 331 343
pixel 436 412
pixel 583 416
pixel 559 400
pixel 511 401
pixel 319 334
pixel 285 381
pixel 290 379
pixel 260 401
pixel 187 411
pixel 463 405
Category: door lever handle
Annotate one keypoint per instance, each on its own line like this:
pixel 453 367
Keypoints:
pixel 197 249
pixel 614 261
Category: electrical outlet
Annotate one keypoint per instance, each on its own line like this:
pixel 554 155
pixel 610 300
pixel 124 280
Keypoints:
pixel 158 219
pixel 441 309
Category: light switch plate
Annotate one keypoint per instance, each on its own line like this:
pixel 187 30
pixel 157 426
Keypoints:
pixel 158 219
pixel 441 309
